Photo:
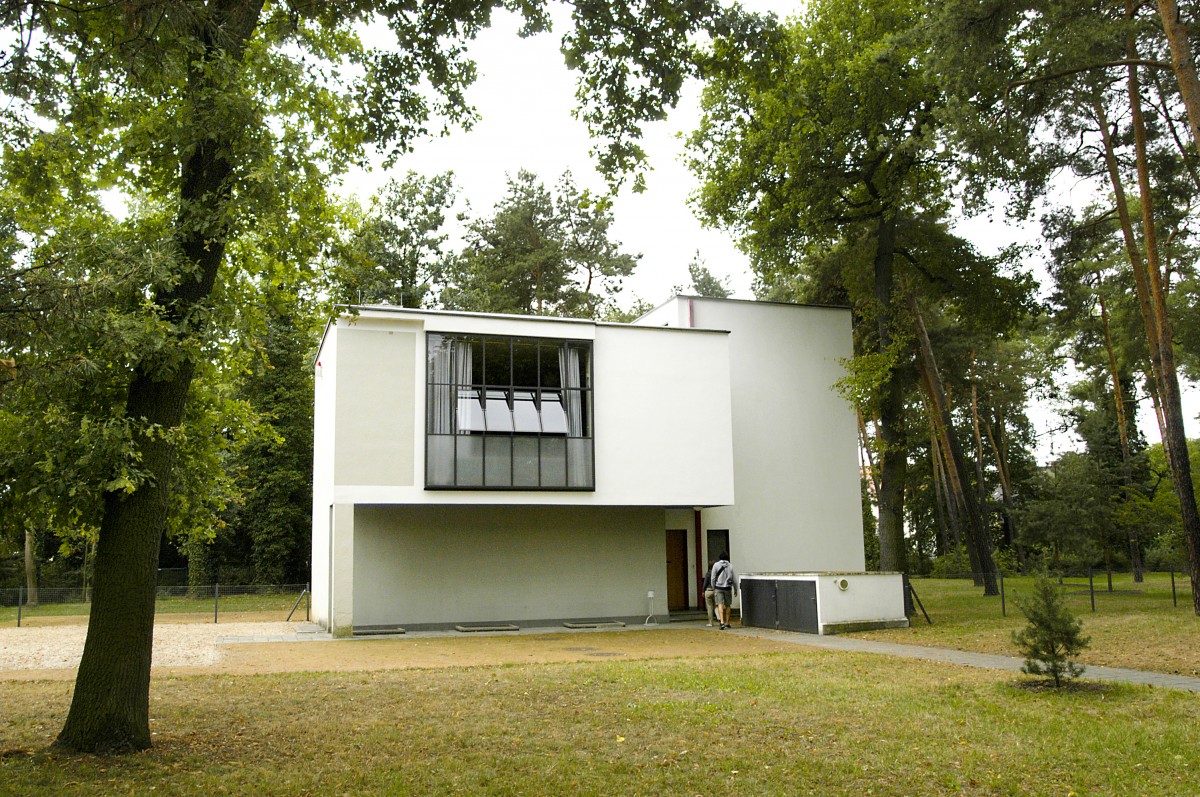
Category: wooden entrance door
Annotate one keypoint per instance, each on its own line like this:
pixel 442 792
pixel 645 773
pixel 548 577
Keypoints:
pixel 677 575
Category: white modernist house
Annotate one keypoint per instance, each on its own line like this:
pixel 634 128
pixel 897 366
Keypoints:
pixel 477 469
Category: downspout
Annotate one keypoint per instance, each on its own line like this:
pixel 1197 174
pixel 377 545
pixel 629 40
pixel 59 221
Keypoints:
pixel 691 314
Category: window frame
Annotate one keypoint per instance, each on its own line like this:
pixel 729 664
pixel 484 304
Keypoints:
pixel 546 441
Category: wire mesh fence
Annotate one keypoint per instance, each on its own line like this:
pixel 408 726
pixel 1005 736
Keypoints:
pixel 210 603
pixel 964 594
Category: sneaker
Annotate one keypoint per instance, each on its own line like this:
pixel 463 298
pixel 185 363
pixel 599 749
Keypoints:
pixel 710 625
pixel 723 627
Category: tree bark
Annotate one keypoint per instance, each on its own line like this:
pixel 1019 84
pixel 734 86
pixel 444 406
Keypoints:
pixel 942 540
pixel 975 532
pixel 1168 379
pixel 110 705
pixel 1183 62
pixel 1135 548
pixel 893 453
pixel 1006 491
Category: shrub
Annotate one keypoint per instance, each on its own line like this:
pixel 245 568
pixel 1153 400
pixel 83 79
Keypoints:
pixel 1053 637
pixel 955 564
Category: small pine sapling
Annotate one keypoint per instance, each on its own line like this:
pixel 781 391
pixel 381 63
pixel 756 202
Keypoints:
pixel 1053 637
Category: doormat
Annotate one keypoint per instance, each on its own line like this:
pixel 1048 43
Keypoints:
pixel 469 628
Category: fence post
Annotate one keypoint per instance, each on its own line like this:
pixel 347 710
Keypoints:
pixel 1003 609
pixel 308 602
pixel 1174 597
pixel 216 601
pixel 1092 588
pixel 21 598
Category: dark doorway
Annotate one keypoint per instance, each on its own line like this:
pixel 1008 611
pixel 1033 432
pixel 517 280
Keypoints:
pixel 677 562
pixel 718 540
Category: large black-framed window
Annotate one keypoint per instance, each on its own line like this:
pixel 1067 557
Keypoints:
pixel 508 413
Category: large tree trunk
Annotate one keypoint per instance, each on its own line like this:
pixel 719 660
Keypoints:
pixel 1168 380
pixel 893 449
pixel 1006 490
pixel 977 538
pixel 1135 548
pixel 1183 62
pixel 110 706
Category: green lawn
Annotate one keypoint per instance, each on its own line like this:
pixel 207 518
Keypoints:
pixel 808 722
pixel 264 603
pixel 1134 626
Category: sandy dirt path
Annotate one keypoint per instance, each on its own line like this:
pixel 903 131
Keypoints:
pixel 52 652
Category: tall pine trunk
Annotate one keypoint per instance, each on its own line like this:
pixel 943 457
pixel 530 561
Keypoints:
pixel 976 533
pixel 1183 62
pixel 1168 379
pixel 1135 548
pixel 110 705
pixel 893 449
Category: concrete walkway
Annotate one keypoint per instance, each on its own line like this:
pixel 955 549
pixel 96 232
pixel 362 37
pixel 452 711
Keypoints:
pixel 968 659
pixel 312 632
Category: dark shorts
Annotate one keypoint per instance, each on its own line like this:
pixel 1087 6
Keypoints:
pixel 724 597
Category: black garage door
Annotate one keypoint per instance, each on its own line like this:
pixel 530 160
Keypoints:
pixel 788 605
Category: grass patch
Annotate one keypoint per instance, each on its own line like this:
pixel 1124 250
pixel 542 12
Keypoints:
pixel 1135 626
pixel 808 722
pixel 259 604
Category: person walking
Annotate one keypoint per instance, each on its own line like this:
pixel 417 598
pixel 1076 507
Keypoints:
pixel 709 596
pixel 724 583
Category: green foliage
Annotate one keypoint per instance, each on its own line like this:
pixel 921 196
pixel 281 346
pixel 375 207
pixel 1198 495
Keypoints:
pixel 397 251
pixel 703 281
pixel 540 253
pixel 1070 512
pixel 275 469
pixel 954 564
pixel 1053 636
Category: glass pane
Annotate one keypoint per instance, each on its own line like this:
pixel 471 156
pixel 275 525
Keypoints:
pixel 497 368
pixel 525 462
pixel 579 463
pixel 554 418
pixel 439 409
pixel 549 372
pixel 439 460
pixel 576 413
pixel 585 362
pixel 499 416
pixel 474 360
pixel 525 362
pixel 525 414
pixel 470 460
pixel 497 461
pixel 470 411
pixel 437 357
pixel 554 462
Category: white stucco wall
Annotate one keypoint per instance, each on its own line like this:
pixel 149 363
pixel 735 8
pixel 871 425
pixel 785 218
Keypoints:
pixel 798 504
pixel 868 597
pixel 324 409
pixel 662 421
pixel 420 565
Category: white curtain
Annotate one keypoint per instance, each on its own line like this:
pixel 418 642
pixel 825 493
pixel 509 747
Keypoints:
pixel 579 456
pixel 468 398
pixel 568 367
pixel 441 404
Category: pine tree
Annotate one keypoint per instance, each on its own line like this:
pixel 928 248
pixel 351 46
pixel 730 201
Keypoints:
pixel 1053 637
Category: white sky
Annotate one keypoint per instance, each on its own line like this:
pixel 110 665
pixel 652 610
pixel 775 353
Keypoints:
pixel 524 95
